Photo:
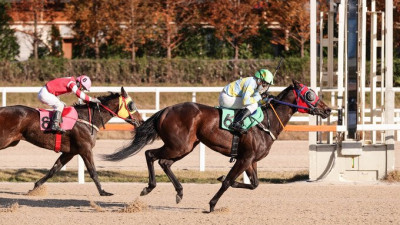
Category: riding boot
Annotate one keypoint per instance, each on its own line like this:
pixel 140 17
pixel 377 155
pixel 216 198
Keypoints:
pixel 56 119
pixel 238 120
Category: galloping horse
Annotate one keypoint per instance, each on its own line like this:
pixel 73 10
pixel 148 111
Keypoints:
pixel 183 126
pixel 22 123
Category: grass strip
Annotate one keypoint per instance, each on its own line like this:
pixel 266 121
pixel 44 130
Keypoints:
pixel 184 176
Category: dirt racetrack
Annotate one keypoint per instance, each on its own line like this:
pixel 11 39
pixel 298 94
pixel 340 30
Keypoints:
pixel 292 203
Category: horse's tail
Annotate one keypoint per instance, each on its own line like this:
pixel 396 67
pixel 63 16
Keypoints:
pixel 145 134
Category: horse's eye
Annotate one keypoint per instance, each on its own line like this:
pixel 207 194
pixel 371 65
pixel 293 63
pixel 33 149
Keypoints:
pixel 310 96
pixel 131 106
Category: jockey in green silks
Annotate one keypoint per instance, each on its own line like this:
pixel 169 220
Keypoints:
pixel 244 94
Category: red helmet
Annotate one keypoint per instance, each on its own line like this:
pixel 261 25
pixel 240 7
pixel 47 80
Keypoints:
pixel 85 82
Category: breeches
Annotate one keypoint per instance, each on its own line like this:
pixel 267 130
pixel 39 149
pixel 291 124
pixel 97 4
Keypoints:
pixel 235 102
pixel 49 99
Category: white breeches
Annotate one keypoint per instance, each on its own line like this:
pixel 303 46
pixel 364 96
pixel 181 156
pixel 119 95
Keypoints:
pixel 235 102
pixel 47 98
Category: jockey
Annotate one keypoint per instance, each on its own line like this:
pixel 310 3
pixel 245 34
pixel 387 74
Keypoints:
pixel 48 95
pixel 244 94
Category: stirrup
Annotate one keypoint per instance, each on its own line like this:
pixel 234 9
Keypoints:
pixel 57 129
pixel 237 128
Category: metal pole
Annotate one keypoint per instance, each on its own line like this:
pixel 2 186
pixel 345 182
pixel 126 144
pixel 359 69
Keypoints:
pixel 389 93
pixel 352 67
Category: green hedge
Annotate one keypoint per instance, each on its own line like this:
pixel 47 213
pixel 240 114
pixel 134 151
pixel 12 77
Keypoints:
pixel 155 71
pixel 151 71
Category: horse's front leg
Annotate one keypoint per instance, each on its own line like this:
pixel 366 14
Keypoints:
pixel 150 158
pixel 60 162
pixel 87 157
pixel 251 173
pixel 237 169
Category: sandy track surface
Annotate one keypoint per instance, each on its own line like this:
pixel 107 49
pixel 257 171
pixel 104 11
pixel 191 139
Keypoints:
pixel 295 203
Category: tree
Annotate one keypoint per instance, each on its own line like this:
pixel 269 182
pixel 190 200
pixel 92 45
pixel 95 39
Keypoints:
pixel 171 17
pixel 9 47
pixel 55 42
pixel 31 12
pixel 234 21
pixel 294 20
pixel 134 18
pixel 93 21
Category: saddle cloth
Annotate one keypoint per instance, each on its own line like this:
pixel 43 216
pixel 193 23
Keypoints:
pixel 69 117
pixel 228 115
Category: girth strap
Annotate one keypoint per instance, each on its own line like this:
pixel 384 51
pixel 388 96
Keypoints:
pixel 235 144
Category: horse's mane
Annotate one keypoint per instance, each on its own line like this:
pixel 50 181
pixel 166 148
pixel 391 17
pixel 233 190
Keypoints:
pixel 284 92
pixel 279 97
pixel 103 99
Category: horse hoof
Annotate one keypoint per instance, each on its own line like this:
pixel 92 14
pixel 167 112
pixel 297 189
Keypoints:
pixel 144 192
pixel 105 193
pixel 178 199
pixel 211 209
pixel 221 178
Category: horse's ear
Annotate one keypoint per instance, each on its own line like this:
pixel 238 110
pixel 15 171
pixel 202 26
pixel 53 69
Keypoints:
pixel 123 92
pixel 296 83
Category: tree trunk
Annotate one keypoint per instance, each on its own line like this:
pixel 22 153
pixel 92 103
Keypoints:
pixel 133 53
pixel 236 61
pixel 35 35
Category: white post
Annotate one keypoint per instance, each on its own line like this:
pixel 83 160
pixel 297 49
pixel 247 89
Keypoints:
pixel 202 157
pixel 398 131
pixel 157 99
pixel 4 98
pixel 194 97
pixel 246 179
pixel 81 170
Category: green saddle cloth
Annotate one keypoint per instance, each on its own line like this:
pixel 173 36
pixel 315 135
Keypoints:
pixel 229 114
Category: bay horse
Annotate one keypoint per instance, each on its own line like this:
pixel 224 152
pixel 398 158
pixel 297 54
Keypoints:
pixel 22 123
pixel 183 126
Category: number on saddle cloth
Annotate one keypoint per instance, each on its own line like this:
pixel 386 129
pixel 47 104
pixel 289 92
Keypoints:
pixel 69 117
pixel 229 114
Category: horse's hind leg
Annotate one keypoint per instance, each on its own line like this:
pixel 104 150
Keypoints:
pixel 150 158
pixel 61 161
pixel 166 166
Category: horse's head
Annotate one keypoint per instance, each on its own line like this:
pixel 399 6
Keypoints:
pixel 308 101
pixel 304 100
pixel 122 106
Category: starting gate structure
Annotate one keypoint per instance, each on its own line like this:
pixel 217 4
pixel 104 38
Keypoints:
pixel 363 149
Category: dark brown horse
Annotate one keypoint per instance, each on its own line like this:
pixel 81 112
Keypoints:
pixel 185 125
pixel 22 123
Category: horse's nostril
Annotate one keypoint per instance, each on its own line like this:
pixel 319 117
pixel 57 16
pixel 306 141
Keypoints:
pixel 328 110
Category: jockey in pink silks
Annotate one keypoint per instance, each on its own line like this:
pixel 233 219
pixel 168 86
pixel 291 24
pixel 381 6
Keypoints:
pixel 59 86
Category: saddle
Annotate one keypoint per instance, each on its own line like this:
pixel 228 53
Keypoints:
pixel 227 117
pixel 69 117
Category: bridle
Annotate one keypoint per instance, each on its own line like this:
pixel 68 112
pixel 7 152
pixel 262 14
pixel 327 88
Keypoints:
pixel 306 101
pixel 125 109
